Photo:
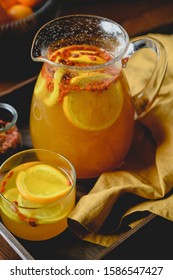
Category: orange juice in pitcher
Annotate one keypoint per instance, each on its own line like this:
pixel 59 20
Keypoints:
pixel 87 115
pixel 81 106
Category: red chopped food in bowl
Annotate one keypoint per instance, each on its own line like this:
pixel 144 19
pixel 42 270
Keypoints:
pixel 9 139
pixel 10 136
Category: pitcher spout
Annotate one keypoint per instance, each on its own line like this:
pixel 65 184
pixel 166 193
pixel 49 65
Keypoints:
pixel 39 48
pixel 45 39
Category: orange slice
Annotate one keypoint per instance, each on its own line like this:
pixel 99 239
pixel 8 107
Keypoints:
pixel 40 86
pixel 42 184
pixel 91 110
pixel 51 98
pixel 7 208
pixel 12 195
pixel 88 78
pixel 41 212
pixel 79 56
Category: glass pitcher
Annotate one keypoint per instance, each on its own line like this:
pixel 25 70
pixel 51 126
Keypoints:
pixel 82 106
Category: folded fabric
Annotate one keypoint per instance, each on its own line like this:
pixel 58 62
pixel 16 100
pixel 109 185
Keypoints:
pixel 143 184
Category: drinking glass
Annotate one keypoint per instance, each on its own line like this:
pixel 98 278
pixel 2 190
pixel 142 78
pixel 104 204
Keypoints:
pixel 33 206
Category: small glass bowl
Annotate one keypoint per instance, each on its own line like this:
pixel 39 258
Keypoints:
pixel 10 136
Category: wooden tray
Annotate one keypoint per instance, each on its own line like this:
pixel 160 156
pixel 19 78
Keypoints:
pixel 10 248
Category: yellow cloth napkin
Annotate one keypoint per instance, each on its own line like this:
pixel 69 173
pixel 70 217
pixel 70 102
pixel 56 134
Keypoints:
pixel 144 182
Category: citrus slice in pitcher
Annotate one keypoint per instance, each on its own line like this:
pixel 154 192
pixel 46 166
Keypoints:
pixel 51 98
pixel 42 183
pixel 79 55
pixel 91 79
pixel 93 110
pixel 40 86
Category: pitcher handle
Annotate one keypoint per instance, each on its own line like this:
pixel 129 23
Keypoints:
pixel 144 99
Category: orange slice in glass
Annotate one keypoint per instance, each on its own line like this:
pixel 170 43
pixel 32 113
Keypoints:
pixel 43 213
pixel 9 208
pixel 11 195
pixel 42 183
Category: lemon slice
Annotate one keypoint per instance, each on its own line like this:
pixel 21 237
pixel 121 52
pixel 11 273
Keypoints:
pixel 51 98
pixel 13 210
pixel 79 56
pixel 90 110
pixel 12 195
pixel 89 78
pixel 41 212
pixel 40 87
pixel 42 183
pixel 23 202
pixel 7 208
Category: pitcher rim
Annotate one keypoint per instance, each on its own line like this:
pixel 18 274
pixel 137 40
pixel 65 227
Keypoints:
pixel 73 67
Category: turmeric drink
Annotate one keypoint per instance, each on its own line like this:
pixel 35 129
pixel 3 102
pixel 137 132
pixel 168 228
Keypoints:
pixel 36 198
pixel 82 109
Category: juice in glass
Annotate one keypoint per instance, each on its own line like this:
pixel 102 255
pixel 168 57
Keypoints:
pixel 83 109
pixel 37 193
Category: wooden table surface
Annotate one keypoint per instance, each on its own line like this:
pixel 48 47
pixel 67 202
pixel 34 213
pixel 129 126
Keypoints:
pixel 137 17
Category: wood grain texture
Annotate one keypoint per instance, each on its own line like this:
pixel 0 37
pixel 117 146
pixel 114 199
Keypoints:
pixel 10 248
